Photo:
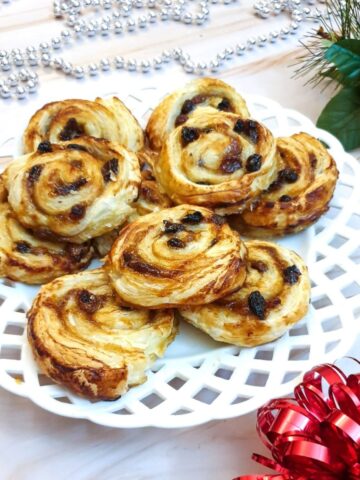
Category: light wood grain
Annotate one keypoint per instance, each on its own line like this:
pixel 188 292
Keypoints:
pixel 35 444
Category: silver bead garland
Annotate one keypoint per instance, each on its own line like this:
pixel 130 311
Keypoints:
pixel 117 17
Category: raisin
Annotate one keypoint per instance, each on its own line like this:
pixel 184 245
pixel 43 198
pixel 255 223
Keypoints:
pixel 239 126
pixel 230 164
pixel 77 212
pixel 288 175
pixel 23 247
pixel 180 119
pixel 253 163
pixel 257 304
pixel 313 160
pixel 75 146
pixel 187 107
pixel 193 218
pixel 170 227
pixel 285 198
pixel 66 188
pixel 88 301
pixel 198 99
pixel 188 135
pixel 224 105
pixel 77 252
pixel 71 130
pixel 176 243
pixel 44 147
pixel 34 173
pixel 291 274
pixel 110 167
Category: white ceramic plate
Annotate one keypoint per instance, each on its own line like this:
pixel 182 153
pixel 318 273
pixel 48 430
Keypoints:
pixel 198 379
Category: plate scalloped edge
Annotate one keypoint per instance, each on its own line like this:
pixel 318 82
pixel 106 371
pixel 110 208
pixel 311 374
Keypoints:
pixel 226 381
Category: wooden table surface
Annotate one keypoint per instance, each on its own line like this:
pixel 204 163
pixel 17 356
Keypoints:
pixel 35 444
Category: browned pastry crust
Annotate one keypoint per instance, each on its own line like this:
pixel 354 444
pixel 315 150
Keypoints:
pixel 207 94
pixel 151 198
pixel 301 193
pixel 67 120
pixel 26 258
pixel 217 160
pixel 74 191
pixel 275 295
pixel 3 191
pixel 84 338
pixel 181 255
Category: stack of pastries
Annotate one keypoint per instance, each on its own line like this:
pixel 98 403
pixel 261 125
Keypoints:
pixel 163 209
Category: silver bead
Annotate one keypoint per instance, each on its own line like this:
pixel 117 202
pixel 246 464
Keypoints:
pixel 87 3
pixel 93 69
pixel 56 43
pixel 164 14
pixel 284 32
pixel 15 51
pixel 306 11
pixel 157 63
pixel 32 76
pixel 29 50
pixel 44 47
pixel 66 36
pixel 125 11
pixel 20 92
pixel 189 67
pixel 5 64
pixel 201 67
pixel 119 62
pixel 78 72
pixel 226 2
pixel 262 40
pixel 31 86
pixel 294 26
pixel 186 18
pixel 263 12
pixel 91 31
pixel 57 12
pixel 214 66
pixel 12 80
pixel 58 63
pixel 3 54
pixel 71 20
pixel 18 60
pixel 5 92
pixel 130 25
pixel 273 36
pixel 152 17
pixel 104 29
pixel 118 27
pixel 166 56
pixel 78 31
pixel 67 68
pixel 251 43
pixel 116 15
pixel 145 66
pixel 142 21
pixel 105 64
pixel 176 14
pixel 33 60
pixel 184 58
pixel 229 53
pixel 151 3
pixel 220 57
pixel 240 49
pixel 199 19
pixel 177 53
pixel 131 65
pixel 138 4
pixel 106 4
pixel 23 74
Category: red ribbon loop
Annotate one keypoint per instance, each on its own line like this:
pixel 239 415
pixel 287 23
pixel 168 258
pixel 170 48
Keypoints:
pixel 315 436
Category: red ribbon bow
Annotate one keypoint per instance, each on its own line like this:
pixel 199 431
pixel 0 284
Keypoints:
pixel 315 436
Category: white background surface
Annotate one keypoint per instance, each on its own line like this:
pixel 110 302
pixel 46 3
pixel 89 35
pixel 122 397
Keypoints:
pixel 37 445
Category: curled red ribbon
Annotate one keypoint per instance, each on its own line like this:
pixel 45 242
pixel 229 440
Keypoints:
pixel 316 435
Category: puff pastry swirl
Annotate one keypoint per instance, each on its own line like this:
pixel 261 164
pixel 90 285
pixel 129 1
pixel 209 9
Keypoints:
pixel 203 93
pixel 275 296
pixel 217 160
pixel 83 338
pixel 26 258
pixel 305 183
pixel 181 255
pixel 68 119
pixel 75 191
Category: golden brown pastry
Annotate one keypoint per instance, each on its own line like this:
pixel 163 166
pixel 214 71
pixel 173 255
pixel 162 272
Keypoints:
pixel 209 94
pixel 275 295
pixel 151 198
pixel 3 191
pixel 217 160
pixel 25 258
pixel 83 338
pixel 69 119
pixel 300 194
pixel 74 191
pixel 181 255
